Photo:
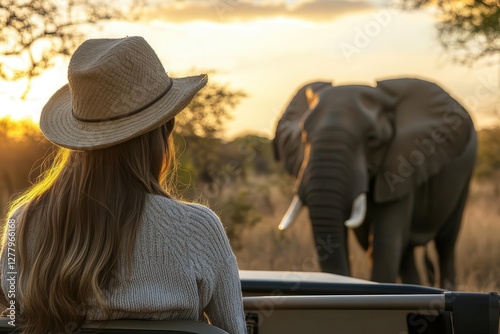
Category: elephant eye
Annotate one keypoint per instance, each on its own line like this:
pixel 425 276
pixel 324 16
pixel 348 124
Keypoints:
pixel 372 139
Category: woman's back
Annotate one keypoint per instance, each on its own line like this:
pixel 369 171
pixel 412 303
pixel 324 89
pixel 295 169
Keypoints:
pixel 181 252
pixel 98 236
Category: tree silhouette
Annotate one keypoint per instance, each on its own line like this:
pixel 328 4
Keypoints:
pixel 469 29
pixel 35 32
pixel 209 111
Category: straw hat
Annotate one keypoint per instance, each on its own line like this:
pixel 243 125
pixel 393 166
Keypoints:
pixel 117 90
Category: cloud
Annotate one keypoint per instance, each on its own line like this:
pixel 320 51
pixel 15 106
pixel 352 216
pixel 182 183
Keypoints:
pixel 238 10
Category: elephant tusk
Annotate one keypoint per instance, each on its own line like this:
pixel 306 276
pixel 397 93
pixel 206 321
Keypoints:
pixel 358 212
pixel 291 214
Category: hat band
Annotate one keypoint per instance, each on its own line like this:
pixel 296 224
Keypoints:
pixel 133 112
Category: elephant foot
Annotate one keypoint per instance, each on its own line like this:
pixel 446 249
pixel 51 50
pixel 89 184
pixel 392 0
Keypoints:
pixel 408 271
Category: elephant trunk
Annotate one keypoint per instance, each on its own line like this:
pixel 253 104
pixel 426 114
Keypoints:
pixel 329 195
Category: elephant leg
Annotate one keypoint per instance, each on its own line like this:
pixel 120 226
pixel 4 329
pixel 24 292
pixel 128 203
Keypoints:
pixel 363 234
pixel 390 238
pixel 332 249
pixel 408 270
pixel 445 243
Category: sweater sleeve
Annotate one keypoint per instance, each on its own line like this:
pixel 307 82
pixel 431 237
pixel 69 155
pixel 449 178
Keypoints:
pixel 225 308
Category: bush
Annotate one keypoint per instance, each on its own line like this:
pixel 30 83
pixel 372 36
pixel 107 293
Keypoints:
pixel 488 153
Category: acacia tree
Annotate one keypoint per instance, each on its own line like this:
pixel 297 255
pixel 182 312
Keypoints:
pixel 34 32
pixel 469 29
pixel 209 110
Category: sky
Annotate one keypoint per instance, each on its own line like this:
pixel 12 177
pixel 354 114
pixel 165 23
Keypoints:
pixel 269 49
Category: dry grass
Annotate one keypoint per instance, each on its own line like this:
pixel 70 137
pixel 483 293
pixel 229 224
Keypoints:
pixel 478 249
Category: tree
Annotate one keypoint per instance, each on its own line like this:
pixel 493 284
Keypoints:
pixel 238 214
pixel 37 31
pixel 198 131
pixel 209 111
pixel 467 28
pixel 488 154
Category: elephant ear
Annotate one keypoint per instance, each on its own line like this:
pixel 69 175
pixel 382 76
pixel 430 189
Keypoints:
pixel 431 129
pixel 287 143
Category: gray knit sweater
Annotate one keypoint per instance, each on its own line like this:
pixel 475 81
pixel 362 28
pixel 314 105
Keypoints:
pixel 183 267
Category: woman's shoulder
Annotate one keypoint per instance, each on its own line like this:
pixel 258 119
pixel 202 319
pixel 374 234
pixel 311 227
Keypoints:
pixel 195 220
pixel 173 208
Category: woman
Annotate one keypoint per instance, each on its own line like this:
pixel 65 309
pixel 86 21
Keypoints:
pixel 98 237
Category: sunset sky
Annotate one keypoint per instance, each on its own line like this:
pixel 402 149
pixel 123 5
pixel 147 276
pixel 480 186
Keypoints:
pixel 270 48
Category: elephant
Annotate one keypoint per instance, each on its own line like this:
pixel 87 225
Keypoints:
pixel 392 161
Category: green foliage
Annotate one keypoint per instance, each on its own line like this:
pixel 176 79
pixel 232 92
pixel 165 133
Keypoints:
pixel 209 110
pixel 256 154
pixel 199 166
pixel 211 164
pixel 467 28
pixel 488 155
pixel 238 214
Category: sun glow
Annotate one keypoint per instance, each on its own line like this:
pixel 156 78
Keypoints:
pixel 42 87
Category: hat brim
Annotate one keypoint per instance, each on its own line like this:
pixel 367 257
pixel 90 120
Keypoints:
pixel 60 126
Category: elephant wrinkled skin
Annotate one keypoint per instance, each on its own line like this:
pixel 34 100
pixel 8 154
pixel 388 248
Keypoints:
pixel 406 144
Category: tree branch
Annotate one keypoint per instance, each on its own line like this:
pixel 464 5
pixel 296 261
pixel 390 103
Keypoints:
pixel 50 25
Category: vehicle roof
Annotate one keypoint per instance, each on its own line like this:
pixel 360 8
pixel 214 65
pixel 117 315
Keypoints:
pixel 257 282
pixel 300 276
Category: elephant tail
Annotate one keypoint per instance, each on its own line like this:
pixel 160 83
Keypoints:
pixel 429 268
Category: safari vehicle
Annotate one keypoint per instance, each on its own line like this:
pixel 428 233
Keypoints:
pixel 320 303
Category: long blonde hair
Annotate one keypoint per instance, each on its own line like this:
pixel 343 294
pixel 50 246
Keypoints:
pixel 80 216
